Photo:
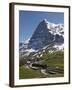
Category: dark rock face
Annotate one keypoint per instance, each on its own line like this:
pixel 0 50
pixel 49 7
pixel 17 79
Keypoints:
pixel 42 37
pixel 20 44
pixel 59 39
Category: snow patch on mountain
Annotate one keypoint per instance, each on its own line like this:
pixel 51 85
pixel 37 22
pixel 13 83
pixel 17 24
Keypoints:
pixel 59 47
pixel 30 50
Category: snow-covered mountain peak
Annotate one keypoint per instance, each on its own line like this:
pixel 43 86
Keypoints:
pixel 46 34
pixel 53 27
pixel 45 20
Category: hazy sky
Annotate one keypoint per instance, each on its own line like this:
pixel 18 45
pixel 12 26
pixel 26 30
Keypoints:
pixel 28 21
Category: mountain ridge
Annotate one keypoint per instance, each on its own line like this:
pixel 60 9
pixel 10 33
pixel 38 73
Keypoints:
pixel 45 34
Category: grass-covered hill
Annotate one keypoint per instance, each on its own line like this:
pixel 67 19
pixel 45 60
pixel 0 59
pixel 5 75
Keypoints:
pixel 54 60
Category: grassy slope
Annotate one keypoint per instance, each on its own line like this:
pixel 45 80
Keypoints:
pixel 29 73
pixel 56 59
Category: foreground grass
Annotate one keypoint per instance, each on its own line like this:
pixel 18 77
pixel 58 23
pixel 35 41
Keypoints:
pixel 29 73
pixel 54 60
pixel 25 73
